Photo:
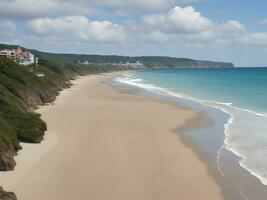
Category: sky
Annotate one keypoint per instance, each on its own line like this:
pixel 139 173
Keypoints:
pixel 220 30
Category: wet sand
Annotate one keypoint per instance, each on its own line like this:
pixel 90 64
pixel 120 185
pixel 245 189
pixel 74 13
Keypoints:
pixel 102 144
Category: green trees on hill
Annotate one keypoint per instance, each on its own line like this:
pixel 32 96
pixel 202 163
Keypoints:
pixel 27 126
pixel 17 123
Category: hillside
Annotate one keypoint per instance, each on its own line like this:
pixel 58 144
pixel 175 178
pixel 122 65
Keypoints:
pixel 150 61
pixel 21 91
pixel 71 60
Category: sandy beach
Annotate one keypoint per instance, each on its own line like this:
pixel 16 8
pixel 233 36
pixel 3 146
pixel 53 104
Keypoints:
pixel 102 144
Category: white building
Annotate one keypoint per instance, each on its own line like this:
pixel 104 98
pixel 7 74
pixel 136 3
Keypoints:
pixel 6 52
pixel 19 56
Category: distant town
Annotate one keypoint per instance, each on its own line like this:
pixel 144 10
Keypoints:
pixel 19 56
pixel 136 64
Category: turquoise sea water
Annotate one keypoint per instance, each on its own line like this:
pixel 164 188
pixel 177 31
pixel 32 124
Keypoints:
pixel 240 92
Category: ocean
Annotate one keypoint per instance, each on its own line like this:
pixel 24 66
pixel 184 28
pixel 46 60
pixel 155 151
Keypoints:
pixel 240 93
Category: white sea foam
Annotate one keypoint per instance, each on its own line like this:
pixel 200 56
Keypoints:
pixel 251 159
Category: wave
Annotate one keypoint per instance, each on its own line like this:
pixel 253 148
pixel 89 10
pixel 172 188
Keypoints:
pixel 226 107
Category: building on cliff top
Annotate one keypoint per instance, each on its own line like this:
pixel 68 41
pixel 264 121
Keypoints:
pixel 19 56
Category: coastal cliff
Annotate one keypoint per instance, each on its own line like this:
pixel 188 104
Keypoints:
pixel 148 61
pixel 170 62
pixel 22 91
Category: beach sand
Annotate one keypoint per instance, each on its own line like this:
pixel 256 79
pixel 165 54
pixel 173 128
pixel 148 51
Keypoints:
pixel 102 144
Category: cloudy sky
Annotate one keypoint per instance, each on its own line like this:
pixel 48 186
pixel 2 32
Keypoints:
pixel 221 30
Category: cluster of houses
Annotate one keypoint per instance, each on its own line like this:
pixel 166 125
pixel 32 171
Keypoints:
pixel 19 56
pixel 129 64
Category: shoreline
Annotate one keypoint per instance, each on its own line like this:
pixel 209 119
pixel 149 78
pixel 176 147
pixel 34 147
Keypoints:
pixel 236 181
pixel 53 141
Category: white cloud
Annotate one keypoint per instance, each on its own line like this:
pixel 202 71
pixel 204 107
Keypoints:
pixel 231 28
pixel 263 21
pixel 141 5
pixel 77 28
pixel 181 26
pixel 204 36
pixel 177 26
pixel 159 37
pixel 233 32
pixel 32 9
pixel 8 32
pixel 8 29
pixel 26 8
pixel 178 20
pixel 257 39
pixel 187 26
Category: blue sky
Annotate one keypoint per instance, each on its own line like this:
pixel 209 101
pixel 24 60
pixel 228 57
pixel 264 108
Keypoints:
pixel 221 30
pixel 246 11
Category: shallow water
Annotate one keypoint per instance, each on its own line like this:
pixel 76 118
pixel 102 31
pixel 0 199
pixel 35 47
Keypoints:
pixel 241 129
